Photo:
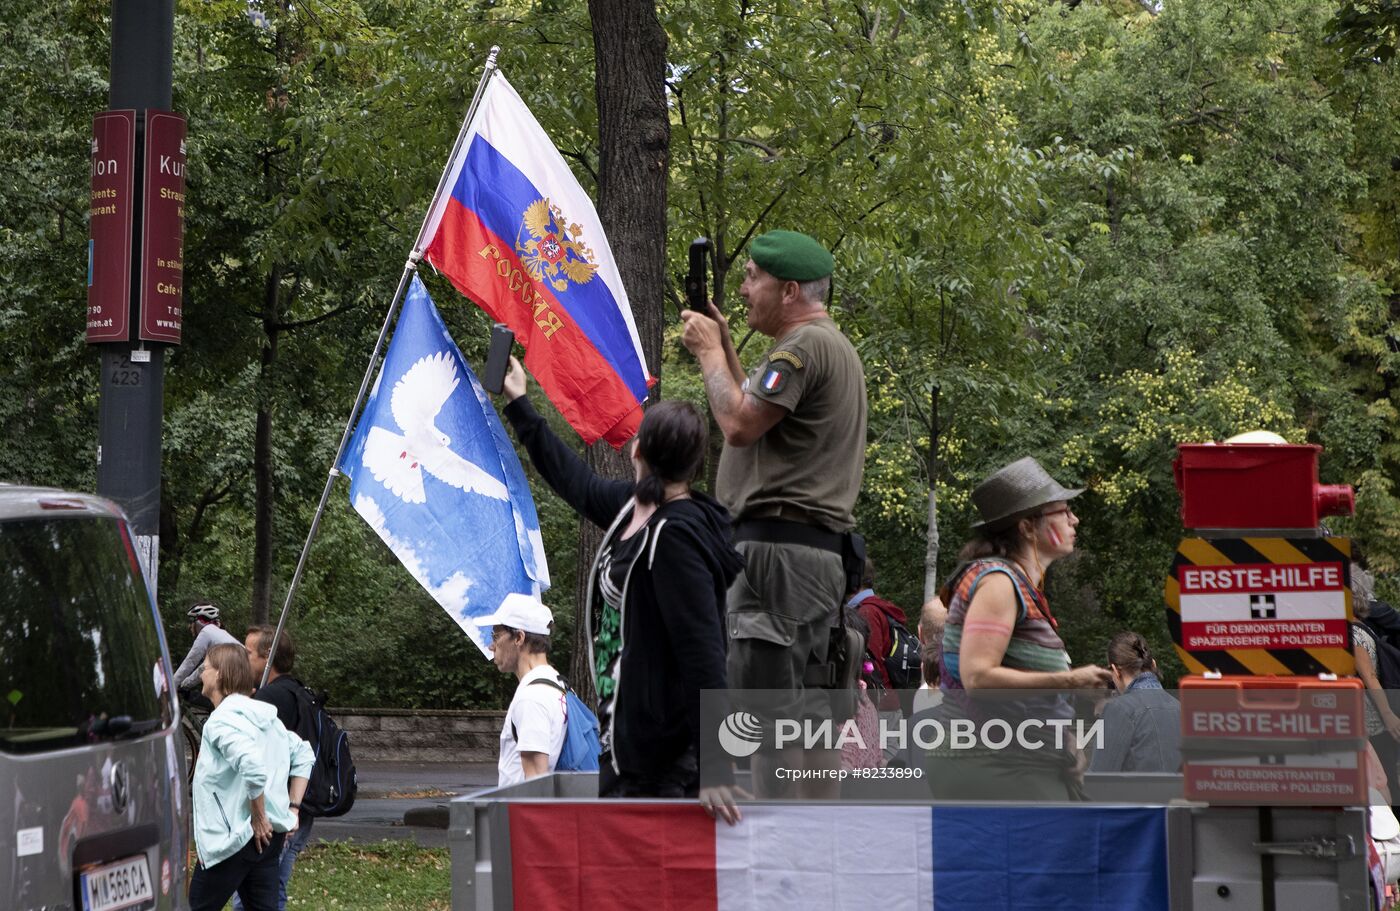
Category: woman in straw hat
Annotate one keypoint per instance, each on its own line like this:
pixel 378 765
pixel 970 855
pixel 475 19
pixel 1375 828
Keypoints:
pixel 1001 636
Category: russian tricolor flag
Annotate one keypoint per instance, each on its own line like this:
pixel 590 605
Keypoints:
pixel 516 233
pixel 636 856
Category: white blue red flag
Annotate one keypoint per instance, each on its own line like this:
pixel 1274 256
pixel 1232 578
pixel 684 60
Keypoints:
pixel 516 233
pixel 632 855
pixel 434 474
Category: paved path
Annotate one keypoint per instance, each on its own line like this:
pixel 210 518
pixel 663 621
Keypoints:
pixel 388 790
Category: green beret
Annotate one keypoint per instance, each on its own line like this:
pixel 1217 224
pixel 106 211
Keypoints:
pixel 790 256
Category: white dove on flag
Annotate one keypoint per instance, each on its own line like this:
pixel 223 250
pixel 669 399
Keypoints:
pixel 398 460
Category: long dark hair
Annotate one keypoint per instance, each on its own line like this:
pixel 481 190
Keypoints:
pixel 671 443
pixel 1000 543
pixel 1130 653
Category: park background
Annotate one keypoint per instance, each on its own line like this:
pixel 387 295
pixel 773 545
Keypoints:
pixel 1085 231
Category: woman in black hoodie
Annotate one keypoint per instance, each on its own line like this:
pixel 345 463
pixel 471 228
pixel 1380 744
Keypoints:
pixel 656 591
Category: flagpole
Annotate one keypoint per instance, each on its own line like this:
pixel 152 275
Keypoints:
pixel 410 266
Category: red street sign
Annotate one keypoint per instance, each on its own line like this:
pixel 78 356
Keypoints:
pixel 163 229
pixel 109 226
pixel 1273 741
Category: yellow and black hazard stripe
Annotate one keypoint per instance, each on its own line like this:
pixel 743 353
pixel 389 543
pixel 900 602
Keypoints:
pixel 1238 551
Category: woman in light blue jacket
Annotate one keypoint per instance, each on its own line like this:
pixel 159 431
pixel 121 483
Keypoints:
pixel 248 783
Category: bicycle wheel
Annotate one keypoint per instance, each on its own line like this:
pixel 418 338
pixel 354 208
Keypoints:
pixel 191 747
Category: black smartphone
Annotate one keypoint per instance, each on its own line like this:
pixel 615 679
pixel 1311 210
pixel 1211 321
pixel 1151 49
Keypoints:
pixel 497 359
pixel 695 277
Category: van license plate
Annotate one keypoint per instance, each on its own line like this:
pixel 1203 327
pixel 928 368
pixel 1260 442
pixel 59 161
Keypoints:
pixel 118 885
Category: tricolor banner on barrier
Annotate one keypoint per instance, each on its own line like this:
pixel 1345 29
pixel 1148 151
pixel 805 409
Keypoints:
pixel 665 857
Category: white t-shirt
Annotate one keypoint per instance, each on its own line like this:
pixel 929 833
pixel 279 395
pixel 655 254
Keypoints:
pixel 536 716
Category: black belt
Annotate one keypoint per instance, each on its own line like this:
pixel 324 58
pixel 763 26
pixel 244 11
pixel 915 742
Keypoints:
pixel 782 531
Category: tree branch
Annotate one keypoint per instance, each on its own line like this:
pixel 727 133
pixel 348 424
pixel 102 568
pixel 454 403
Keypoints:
pixel 583 160
pixel 298 324
pixel 773 154
pixel 850 132
pixel 868 212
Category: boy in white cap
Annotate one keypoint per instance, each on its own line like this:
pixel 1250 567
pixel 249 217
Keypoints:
pixel 533 734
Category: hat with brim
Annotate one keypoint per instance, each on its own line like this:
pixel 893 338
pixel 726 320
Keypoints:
pixel 520 612
pixel 1014 492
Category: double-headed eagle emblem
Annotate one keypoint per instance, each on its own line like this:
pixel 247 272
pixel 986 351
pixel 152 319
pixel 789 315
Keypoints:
pixel 553 253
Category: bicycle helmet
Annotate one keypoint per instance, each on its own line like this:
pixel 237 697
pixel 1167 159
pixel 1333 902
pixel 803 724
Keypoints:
pixel 203 611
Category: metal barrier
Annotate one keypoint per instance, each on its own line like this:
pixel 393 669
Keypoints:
pixel 478 836
pixel 1275 858
pixel 1218 858
pixel 479 825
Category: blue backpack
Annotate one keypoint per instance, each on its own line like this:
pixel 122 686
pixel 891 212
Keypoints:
pixel 582 745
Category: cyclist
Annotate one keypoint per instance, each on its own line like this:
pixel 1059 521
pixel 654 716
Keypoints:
pixel 207 631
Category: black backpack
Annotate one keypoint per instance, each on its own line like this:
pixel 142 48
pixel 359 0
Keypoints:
pixel 332 787
pixel 903 664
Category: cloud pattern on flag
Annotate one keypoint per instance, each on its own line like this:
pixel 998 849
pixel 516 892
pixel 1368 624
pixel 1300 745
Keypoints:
pixel 434 474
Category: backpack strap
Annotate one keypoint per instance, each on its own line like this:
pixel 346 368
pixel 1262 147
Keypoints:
pixel 561 685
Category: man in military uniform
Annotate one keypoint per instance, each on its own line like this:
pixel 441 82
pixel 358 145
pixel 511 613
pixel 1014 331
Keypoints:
pixel 794 453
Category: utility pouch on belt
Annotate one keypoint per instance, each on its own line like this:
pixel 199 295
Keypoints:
pixel 845 649
pixel 853 560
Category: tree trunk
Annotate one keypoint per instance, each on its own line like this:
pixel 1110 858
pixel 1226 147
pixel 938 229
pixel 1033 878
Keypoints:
pixel 634 132
pixel 931 554
pixel 264 480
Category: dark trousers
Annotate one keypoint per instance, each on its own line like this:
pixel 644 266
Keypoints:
pixel 680 779
pixel 252 874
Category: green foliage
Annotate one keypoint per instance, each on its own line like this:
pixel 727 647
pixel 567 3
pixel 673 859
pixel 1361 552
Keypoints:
pixel 1217 294
pixel 1086 232
pixel 54 71
pixel 1367 29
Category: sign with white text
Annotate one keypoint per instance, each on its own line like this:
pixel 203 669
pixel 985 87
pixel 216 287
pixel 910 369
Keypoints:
pixel 1262 605
pixel 1252 741
pixel 163 229
pixel 111 209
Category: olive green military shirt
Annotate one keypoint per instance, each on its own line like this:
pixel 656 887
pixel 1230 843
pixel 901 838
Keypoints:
pixel 807 467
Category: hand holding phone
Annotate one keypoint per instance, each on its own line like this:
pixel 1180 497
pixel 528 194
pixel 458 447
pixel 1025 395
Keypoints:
pixel 514 385
pixel 497 358
pixel 695 276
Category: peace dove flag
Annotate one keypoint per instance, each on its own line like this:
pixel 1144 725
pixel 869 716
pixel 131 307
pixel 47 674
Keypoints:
pixel 434 474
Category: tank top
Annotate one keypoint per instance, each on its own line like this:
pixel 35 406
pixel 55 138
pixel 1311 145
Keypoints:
pixel 1035 644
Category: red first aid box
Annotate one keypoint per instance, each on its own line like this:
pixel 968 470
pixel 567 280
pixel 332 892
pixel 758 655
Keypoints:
pixel 1266 741
pixel 1255 486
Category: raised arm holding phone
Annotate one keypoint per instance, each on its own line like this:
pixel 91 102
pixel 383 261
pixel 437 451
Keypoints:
pixel 791 468
pixel 655 605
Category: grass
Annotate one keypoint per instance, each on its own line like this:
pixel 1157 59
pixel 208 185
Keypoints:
pixel 346 876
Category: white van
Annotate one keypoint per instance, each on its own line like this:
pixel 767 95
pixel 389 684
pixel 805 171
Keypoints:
pixel 92 811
